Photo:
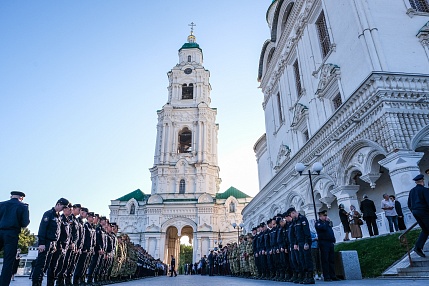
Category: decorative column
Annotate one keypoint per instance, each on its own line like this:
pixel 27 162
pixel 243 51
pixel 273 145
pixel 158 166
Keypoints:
pixel 403 167
pixel 346 195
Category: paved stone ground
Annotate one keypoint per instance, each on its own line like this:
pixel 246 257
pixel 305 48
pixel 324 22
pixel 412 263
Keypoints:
pixel 198 280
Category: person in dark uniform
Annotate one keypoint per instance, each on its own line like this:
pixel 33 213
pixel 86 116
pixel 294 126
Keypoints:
pixel 14 215
pixel 344 218
pixel 173 266
pixel 367 207
pixel 57 258
pixel 398 208
pixel 261 251
pixel 418 203
pixel 87 248
pixel 74 255
pixel 282 243
pixel 49 232
pixel 302 243
pixel 326 240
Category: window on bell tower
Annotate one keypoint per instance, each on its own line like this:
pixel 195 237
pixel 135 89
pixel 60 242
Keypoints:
pixel 185 141
pixel 187 91
pixel 182 186
pixel 133 209
pixel 189 58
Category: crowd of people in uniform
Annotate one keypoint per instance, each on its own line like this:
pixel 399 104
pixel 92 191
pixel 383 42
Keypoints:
pixel 79 247
pixel 75 246
pixel 278 249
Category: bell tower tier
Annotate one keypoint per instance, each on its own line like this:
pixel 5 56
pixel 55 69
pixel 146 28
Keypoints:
pixel 186 160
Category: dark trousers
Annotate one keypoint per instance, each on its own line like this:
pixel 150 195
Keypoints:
pixel 328 259
pixel 42 262
pixel 371 223
pixel 258 264
pixel 269 263
pixel 305 258
pixel 284 262
pixel 79 272
pixel 60 265
pixel 72 264
pixel 422 218
pixel 93 265
pixel 9 244
pixel 264 264
pixel 54 259
pixel 65 264
pixel 294 260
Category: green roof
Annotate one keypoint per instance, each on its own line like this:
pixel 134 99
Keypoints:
pixel 190 46
pixel 232 192
pixel 138 195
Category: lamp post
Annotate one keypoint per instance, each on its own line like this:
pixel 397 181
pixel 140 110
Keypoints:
pixel 238 226
pixel 315 170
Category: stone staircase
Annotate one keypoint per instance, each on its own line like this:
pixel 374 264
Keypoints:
pixel 403 269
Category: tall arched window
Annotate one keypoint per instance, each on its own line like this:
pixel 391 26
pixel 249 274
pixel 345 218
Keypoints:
pixel 182 186
pixel 232 207
pixel 187 91
pixel 133 209
pixel 185 141
pixel 189 58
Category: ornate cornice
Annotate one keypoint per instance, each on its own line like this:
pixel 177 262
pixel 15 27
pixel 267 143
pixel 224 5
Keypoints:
pixel 378 108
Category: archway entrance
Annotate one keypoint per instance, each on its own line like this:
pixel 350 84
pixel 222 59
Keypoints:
pixel 173 240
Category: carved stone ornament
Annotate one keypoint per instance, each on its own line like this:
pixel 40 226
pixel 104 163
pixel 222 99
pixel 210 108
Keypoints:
pixel 360 158
pixel 282 156
pixel 328 72
pixel 423 35
pixel 299 113
pixel 205 198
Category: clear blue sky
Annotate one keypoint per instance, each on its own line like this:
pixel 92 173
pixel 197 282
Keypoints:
pixel 80 83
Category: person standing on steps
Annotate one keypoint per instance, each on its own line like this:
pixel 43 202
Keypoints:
pixel 344 218
pixel 367 207
pixel 418 203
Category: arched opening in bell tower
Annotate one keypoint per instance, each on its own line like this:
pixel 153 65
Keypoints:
pixel 187 91
pixel 185 141
pixel 179 245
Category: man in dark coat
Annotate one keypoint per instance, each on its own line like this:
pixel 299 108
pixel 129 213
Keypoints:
pixel 418 203
pixel 326 240
pixel 173 266
pixel 14 215
pixel 211 262
pixel 367 207
pixel 48 235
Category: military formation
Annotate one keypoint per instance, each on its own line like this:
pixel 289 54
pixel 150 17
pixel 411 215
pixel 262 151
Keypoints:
pixel 79 247
pixel 280 250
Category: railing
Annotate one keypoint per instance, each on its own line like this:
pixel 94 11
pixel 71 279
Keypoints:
pixel 404 240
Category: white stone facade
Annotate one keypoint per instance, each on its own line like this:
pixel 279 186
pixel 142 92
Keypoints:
pixel 345 83
pixel 184 198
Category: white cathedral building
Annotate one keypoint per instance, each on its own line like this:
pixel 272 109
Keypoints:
pixel 184 199
pixel 346 84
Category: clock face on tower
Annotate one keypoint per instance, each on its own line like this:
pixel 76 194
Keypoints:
pixel 188 71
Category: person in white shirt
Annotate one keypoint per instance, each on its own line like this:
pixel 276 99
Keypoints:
pixel 389 209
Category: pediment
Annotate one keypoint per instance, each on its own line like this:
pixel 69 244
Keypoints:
pixel 300 112
pixel 155 199
pixel 204 227
pixel 205 198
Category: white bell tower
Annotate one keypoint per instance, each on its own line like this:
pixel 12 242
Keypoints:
pixel 186 160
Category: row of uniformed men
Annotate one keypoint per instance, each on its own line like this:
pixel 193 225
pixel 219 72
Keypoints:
pixel 280 249
pixel 78 247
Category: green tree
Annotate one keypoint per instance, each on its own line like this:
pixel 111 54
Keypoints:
pixel 185 255
pixel 26 239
